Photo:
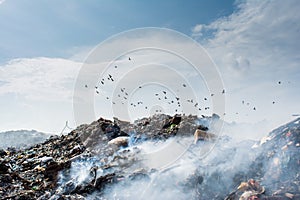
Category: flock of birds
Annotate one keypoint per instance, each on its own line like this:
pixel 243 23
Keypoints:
pixel 161 96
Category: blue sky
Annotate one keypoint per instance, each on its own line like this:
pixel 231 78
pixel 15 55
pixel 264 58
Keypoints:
pixel 44 45
pixel 33 28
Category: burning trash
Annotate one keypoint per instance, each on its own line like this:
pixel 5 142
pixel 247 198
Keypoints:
pixel 109 160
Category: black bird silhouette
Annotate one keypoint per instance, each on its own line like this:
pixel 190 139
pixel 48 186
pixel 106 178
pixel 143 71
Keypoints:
pixel 102 82
pixel 156 94
pixel 140 87
pixel 243 102
pixel 223 92
pixel 254 108
pixel 96 87
pixel 107 97
pixel 116 66
pixel 177 98
pixel 279 82
pixel 129 58
pixel 212 95
pixel 164 92
pixel 273 102
pixel 86 86
pixel 184 85
pixel 146 107
pixel 205 98
pixel 97 91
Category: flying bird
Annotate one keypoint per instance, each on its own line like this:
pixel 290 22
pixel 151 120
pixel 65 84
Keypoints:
pixel 86 86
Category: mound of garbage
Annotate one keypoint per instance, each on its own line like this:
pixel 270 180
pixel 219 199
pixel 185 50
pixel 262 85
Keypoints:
pixel 110 160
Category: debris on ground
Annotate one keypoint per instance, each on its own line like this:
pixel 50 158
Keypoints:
pixel 96 157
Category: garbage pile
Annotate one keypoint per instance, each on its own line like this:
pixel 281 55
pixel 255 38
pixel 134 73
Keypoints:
pixel 96 160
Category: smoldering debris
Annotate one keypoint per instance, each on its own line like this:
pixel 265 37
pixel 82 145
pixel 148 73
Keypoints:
pixel 156 159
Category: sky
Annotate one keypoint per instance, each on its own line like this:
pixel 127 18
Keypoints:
pixel 45 46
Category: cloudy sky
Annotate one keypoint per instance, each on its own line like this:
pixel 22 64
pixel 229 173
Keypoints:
pixel 44 46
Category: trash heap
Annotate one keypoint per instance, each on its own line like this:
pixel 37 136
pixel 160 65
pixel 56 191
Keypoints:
pixel 95 157
pixel 276 167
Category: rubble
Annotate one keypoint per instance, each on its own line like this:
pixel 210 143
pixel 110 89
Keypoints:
pixel 98 156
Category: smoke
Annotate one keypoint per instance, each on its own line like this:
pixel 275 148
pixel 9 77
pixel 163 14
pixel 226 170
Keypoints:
pixel 174 168
pixel 191 175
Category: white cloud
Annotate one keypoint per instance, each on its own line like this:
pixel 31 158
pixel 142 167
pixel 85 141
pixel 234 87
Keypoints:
pixel 2 1
pixel 197 30
pixel 43 79
pixel 36 93
pixel 254 48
